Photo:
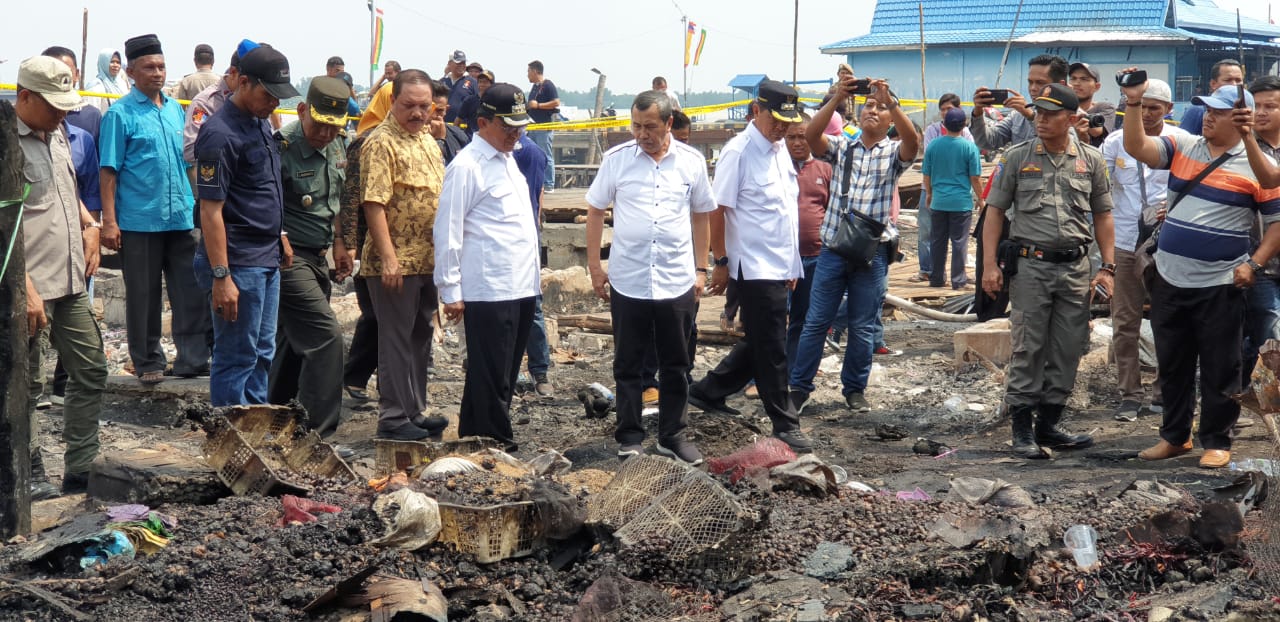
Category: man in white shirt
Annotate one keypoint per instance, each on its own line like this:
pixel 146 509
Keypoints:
pixel 486 251
pixel 660 85
pixel 755 236
pixel 1135 187
pixel 657 268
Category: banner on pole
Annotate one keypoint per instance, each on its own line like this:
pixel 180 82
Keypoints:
pixel 688 41
pixel 375 55
pixel 702 40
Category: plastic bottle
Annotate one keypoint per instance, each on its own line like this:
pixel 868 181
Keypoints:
pixel 955 404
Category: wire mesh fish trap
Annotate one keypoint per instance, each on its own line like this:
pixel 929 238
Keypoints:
pixel 640 480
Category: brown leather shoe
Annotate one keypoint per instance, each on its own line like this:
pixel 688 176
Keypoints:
pixel 1215 458
pixel 1165 450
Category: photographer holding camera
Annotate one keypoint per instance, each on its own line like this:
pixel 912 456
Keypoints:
pixel 1096 118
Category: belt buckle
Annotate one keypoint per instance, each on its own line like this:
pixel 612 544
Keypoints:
pixel 1039 254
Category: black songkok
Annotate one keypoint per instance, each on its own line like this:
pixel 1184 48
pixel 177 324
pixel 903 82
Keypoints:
pixel 142 45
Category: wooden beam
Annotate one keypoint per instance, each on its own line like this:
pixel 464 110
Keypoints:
pixel 15 426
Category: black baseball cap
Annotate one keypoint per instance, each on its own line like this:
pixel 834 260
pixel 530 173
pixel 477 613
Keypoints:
pixel 505 101
pixel 780 100
pixel 1057 97
pixel 271 68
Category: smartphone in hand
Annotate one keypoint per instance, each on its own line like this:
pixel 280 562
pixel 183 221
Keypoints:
pixel 999 96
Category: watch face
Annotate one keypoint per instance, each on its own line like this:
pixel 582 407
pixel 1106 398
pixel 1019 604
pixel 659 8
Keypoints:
pixel 220 272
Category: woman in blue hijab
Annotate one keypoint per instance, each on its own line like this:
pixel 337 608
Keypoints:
pixel 111 79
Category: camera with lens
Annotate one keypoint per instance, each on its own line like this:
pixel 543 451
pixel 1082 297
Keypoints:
pixel 1097 120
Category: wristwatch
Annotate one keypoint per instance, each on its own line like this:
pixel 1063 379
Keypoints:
pixel 1257 267
pixel 221 272
pixel 1109 267
pixel 722 261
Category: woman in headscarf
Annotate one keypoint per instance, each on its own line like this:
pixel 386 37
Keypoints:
pixel 111 79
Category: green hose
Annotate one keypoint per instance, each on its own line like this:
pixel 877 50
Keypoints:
pixel 26 189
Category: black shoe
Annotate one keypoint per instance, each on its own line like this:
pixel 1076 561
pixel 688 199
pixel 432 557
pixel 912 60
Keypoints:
pixel 1050 435
pixel 74 483
pixel 434 424
pixel 681 450
pixel 358 393
pixel 1024 441
pixel 857 402
pixel 707 406
pixel 406 431
pixel 798 399
pixel 43 490
pixel 798 441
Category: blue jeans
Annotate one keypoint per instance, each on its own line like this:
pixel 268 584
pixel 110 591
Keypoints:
pixel 865 288
pixel 1261 322
pixel 799 307
pixel 538 349
pixel 924 219
pixel 542 138
pixel 243 349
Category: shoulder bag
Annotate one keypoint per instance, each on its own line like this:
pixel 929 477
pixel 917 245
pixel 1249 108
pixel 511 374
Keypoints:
pixel 857 235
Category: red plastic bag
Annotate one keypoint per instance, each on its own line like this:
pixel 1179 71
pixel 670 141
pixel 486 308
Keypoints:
pixel 299 510
pixel 766 453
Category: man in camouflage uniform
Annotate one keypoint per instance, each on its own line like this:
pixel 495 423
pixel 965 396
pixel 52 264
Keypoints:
pixel 308 361
pixel 1052 184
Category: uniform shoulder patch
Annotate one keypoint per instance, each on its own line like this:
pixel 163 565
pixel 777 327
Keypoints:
pixel 197 116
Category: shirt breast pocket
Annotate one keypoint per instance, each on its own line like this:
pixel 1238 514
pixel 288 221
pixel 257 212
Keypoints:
pixel 1029 194
pixel 1079 189
pixel 307 182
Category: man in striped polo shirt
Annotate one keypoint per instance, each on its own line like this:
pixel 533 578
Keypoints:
pixel 1204 266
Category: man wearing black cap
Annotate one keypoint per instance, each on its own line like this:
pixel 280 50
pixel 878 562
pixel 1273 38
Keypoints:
pixel 1051 184
pixel 308 361
pixel 486 262
pixel 204 77
pixel 240 188
pixel 147 216
pixel 209 101
pixel 865 174
pixel 755 237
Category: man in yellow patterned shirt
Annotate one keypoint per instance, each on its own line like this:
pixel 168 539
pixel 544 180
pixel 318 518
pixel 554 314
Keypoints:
pixel 401 173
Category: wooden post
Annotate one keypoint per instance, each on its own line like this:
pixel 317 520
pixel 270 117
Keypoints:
pixel 594 150
pixel 15 427
pixel 84 47
pixel 924 94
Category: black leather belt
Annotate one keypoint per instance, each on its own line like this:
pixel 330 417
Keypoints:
pixel 1052 255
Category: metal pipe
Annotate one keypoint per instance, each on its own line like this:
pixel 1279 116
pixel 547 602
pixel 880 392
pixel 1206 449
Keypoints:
pixel 933 314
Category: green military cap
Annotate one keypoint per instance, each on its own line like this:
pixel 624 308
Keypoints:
pixel 327 98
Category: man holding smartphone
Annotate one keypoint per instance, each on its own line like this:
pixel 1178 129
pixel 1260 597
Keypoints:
pixel 1203 266
pixel 1042 71
pixel 1052 183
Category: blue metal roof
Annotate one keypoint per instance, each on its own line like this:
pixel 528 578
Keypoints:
pixel 747 81
pixel 1205 15
pixel 897 22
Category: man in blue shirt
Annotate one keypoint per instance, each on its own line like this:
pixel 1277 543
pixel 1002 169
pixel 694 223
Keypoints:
pixel 147 216
pixel 952 180
pixel 241 214
pixel 87 117
pixel 462 90
pixel 544 104
pixel 532 162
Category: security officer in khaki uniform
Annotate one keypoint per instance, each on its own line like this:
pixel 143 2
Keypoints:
pixel 1049 186
pixel 308 361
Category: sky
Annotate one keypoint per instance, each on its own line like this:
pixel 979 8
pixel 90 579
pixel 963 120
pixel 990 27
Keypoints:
pixel 629 42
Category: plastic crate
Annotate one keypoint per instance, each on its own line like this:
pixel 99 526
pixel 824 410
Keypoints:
pixel 261 450
pixel 243 469
pixel 491 533
pixel 394 456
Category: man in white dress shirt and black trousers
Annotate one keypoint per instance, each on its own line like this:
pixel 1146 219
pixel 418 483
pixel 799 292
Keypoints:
pixel 661 201
pixel 487 261
pixel 755 236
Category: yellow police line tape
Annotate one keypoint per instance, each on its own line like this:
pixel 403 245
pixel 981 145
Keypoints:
pixel 623 121
pixel 184 102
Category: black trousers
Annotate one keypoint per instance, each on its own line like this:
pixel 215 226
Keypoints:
pixel 308 362
pixel 662 327
pixel 1203 325
pixel 760 354
pixel 649 372
pixel 495 346
pixel 362 359
pixel 983 305
pixel 144 259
